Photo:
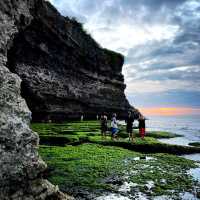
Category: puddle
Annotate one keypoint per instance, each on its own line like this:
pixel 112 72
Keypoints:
pixel 140 196
pixel 195 156
pixel 144 158
pixel 182 196
pixel 112 197
pixel 163 197
pixel 195 173
pixel 163 181
pixel 150 185
pixel 126 187
pixel 188 196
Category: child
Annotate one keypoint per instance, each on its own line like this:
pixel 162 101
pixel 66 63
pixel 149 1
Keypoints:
pixel 141 126
pixel 114 127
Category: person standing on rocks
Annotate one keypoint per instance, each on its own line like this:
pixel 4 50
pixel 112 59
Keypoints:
pixel 82 117
pixel 129 126
pixel 114 127
pixel 141 121
pixel 104 125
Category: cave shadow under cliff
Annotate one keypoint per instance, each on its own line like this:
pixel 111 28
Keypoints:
pixel 15 55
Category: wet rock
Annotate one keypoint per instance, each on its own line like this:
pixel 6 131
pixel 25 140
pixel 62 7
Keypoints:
pixel 143 157
pixel 80 193
pixel 114 180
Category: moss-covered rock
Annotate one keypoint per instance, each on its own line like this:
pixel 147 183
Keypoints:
pixel 195 144
pixel 105 166
pixel 75 133
pixel 97 169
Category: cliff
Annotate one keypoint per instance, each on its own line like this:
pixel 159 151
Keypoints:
pixel 21 168
pixel 64 72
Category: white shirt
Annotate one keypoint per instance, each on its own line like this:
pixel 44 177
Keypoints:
pixel 114 123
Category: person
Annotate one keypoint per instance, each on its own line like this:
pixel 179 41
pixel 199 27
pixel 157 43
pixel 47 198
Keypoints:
pixel 97 117
pixel 141 121
pixel 114 127
pixel 104 125
pixel 129 126
pixel 82 117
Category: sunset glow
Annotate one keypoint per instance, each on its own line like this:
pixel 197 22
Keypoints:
pixel 170 111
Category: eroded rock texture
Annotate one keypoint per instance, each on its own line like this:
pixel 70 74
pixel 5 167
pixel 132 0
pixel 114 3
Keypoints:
pixel 21 168
pixel 64 72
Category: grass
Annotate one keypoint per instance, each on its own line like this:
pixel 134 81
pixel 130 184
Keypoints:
pixel 80 161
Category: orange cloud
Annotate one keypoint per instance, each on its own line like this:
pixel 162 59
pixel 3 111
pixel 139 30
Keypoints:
pixel 170 111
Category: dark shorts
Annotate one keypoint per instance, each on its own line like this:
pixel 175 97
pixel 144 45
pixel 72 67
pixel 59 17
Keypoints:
pixel 129 129
pixel 104 128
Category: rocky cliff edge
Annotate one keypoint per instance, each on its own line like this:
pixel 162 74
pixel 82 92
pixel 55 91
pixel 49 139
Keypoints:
pixel 64 72
pixel 21 169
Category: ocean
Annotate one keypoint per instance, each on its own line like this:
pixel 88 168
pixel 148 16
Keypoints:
pixel 187 126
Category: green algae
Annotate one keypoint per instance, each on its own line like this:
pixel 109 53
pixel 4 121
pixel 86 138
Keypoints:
pixel 195 144
pixel 162 134
pixel 168 173
pixel 85 165
pixel 91 130
pixel 75 133
pixel 88 166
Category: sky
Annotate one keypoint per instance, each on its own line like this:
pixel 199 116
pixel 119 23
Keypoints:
pixel 160 40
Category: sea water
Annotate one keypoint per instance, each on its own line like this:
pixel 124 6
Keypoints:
pixel 187 126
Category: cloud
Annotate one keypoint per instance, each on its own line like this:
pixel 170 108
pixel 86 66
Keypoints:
pixel 174 59
pixel 173 98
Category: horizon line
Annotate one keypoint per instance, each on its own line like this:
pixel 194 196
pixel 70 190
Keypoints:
pixel 169 111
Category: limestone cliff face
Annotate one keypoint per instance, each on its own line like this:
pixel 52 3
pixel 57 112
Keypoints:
pixel 21 168
pixel 64 72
